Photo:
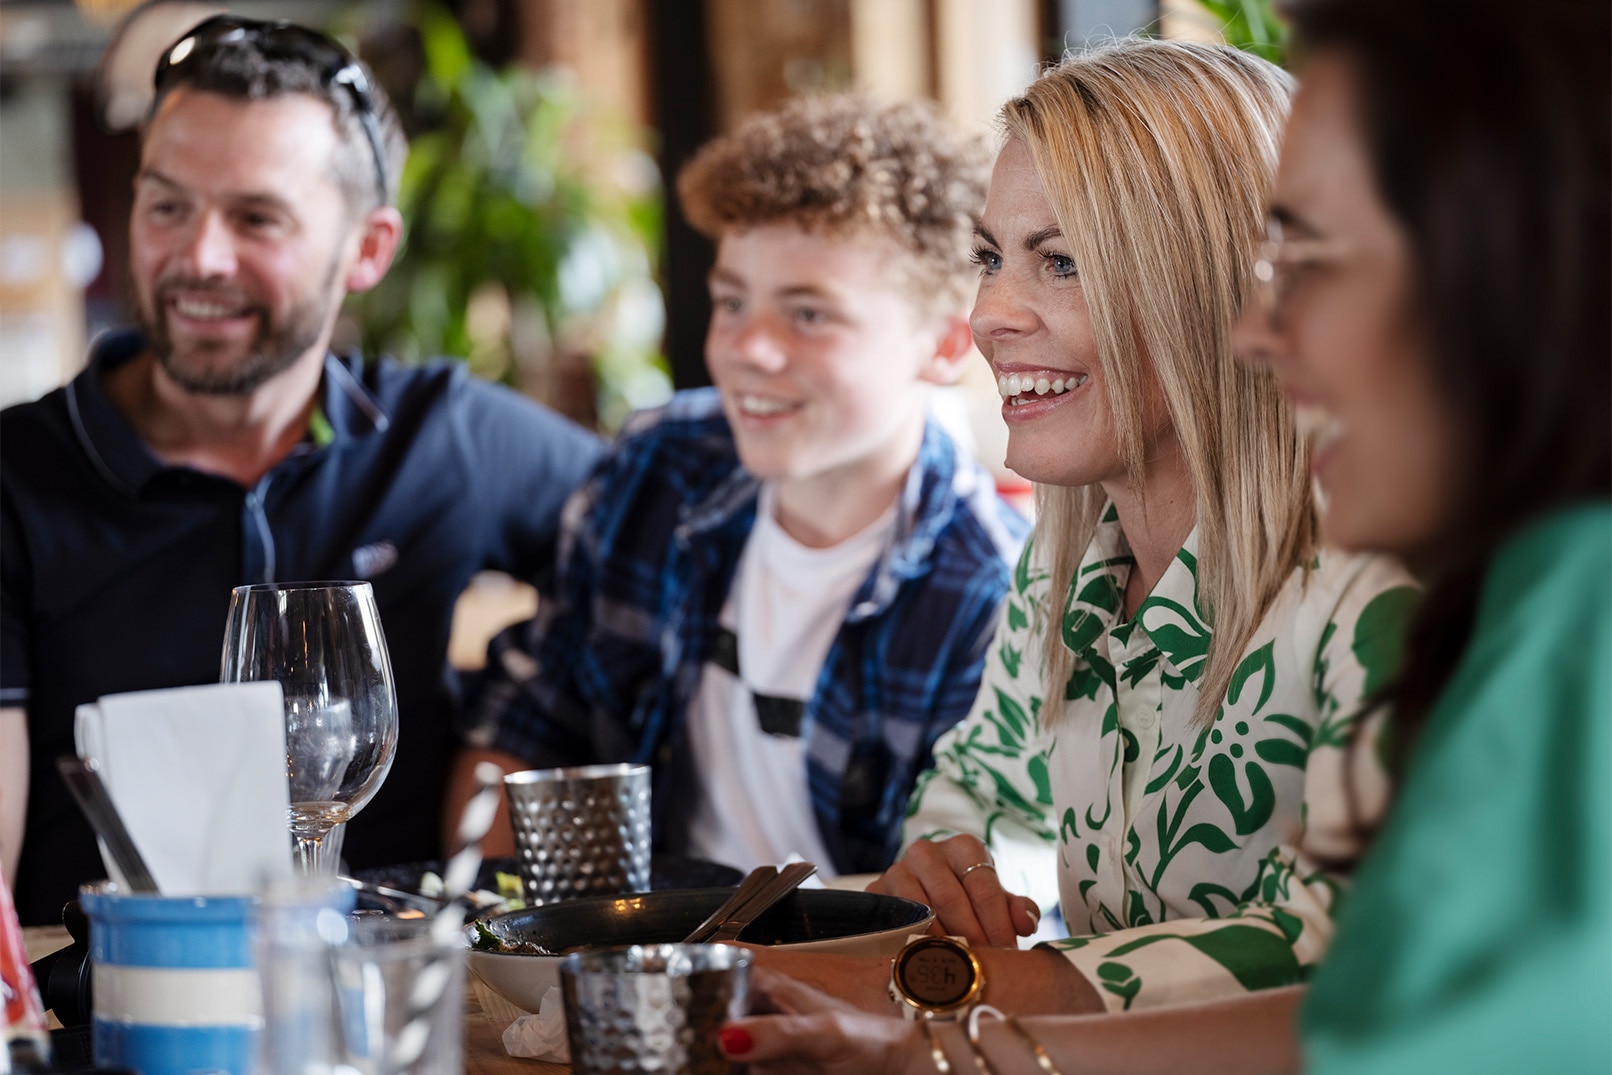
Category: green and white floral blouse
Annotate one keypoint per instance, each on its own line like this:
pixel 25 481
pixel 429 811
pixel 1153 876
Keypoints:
pixel 1191 861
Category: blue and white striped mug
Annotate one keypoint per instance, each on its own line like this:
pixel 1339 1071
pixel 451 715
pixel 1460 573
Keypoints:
pixel 175 985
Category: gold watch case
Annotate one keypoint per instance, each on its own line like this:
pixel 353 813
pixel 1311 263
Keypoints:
pixel 937 976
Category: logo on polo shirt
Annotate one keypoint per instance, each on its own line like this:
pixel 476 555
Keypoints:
pixel 372 559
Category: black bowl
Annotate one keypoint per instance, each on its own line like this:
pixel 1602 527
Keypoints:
pixel 665 871
pixel 805 915
pixel 808 919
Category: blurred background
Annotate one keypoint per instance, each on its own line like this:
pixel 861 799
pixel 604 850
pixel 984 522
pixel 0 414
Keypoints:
pixel 541 247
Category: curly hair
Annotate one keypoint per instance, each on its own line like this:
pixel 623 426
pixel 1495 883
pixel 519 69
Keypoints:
pixel 845 165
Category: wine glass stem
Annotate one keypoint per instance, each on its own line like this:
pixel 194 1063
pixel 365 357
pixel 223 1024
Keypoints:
pixel 319 851
pixel 311 856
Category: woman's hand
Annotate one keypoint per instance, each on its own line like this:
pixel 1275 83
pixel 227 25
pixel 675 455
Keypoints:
pixel 957 879
pixel 813 1032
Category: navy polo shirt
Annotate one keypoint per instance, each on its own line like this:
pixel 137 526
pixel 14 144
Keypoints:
pixel 116 569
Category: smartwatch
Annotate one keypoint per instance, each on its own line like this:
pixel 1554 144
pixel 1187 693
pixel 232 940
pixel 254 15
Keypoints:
pixel 936 978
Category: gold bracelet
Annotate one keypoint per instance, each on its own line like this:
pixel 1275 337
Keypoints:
pixel 936 1053
pixel 1042 1058
pixel 982 1063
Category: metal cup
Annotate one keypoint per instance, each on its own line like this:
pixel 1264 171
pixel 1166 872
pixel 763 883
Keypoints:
pixel 582 831
pixel 653 1007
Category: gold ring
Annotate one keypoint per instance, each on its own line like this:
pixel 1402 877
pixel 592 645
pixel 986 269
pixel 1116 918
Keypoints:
pixel 978 866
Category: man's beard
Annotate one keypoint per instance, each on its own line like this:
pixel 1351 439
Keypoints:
pixel 275 348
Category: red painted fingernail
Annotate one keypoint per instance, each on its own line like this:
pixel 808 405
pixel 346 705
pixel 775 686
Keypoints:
pixel 736 1040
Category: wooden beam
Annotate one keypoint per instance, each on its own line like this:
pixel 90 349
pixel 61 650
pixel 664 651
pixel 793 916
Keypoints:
pixel 605 42
pixel 986 53
pixel 763 53
pixel 892 53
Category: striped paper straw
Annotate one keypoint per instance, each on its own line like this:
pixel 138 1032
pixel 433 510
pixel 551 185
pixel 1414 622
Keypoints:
pixel 457 879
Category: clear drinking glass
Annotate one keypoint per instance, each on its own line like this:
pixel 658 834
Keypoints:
pixel 356 994
pixel 323 643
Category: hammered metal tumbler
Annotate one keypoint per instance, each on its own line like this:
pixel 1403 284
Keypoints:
pixel 653 1008
pixel 581 831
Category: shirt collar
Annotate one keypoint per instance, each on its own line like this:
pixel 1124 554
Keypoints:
pixel 1172 614
pixel 347 410
pixel 927 502
pixel 346 404
pixel 109 441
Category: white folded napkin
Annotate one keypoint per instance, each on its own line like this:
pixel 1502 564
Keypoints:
pixel 199 775
pixel 541 1036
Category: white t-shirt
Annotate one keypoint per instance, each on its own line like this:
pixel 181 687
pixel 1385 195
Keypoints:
pixel 786 605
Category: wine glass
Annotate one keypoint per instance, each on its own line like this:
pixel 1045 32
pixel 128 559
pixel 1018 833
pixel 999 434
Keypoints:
pixel 323 643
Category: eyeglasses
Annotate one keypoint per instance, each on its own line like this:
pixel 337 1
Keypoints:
pixel 1280 261
pixel 284 41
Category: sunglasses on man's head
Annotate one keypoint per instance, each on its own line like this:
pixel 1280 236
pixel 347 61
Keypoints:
pixel 284 41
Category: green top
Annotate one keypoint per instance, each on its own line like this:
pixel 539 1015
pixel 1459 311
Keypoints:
pixel 1191 861
pixel 1478 936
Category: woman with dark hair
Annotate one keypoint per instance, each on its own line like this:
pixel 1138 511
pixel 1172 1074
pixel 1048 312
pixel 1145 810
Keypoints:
pixel 1435 300
pixel 1436 295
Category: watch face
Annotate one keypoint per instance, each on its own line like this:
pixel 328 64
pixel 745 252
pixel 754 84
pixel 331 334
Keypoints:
pixel 937 973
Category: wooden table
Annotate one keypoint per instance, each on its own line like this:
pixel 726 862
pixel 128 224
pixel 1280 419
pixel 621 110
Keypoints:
pixel 484 1047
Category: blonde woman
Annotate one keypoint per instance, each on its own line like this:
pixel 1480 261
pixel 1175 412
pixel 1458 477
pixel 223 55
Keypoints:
pixel 1160 732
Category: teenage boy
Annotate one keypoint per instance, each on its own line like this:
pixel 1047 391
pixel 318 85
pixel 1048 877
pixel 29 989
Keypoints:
pixel 779 591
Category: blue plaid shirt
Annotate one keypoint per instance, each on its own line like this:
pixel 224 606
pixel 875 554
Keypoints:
pixel 648 549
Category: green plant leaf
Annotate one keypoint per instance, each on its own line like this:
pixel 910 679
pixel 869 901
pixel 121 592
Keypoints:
pixel 1250 25
pixel 447 54
pixel 514 178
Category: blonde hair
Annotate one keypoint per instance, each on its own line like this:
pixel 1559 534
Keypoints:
pixel 1157 159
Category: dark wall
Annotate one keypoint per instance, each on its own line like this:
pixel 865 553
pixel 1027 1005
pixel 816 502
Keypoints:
pixel 681 85
pixel 104 165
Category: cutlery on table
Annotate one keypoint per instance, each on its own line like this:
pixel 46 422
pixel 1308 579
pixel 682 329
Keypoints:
pixel 400 902
pixel 752 884
pixel 789 878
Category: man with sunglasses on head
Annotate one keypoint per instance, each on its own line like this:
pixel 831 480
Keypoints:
pixel 224 443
